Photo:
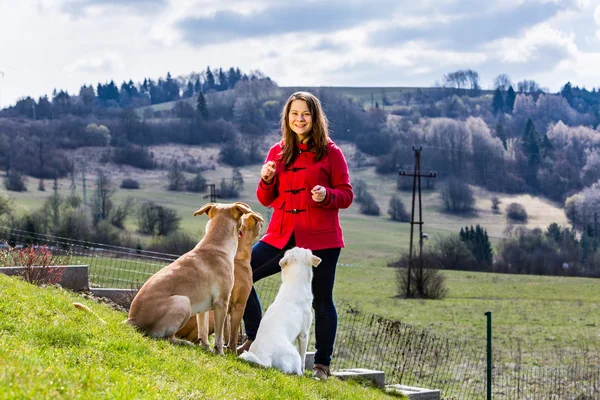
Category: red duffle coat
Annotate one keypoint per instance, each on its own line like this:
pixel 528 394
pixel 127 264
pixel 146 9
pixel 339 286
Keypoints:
pixel 315 225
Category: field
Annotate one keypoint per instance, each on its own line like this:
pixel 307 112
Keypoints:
pixel 536 311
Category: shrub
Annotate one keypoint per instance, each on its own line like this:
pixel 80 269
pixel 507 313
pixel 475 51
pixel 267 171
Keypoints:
pixel 157 220
pixel 396 210
pixel 135 156
pixel 457 197
pixel 228 189
pixel 15 181
pixel 38 262
pixel 495 203
pixel 175 177
pixel 516 212
pixel 454 254
pixel 129 183
pixel 426 283
pixel 368 205
pixel 366 201
pixel 196 184
pixel 177 243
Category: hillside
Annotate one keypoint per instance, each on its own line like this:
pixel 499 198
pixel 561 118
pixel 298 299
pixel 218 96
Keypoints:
pixel 49 349
pixel 384 241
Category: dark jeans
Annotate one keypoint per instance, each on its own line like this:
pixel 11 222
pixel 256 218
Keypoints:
pixel 265 262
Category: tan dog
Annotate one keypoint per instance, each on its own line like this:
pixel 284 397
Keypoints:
pixel 198 328
pixel 198 281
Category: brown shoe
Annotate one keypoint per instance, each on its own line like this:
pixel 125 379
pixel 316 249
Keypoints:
pixel 321 372
pixel 244 347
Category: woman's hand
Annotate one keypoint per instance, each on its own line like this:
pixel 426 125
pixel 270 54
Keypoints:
pixel 318 193
pixel 267 172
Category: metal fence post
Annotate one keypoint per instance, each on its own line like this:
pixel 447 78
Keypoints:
pixel 488 314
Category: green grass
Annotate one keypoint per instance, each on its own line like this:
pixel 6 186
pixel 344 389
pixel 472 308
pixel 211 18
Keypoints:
pixel 538 312
pixel 49 349
pixel 544 316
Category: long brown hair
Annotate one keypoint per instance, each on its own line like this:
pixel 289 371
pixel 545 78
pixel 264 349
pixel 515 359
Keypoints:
pixel 318 136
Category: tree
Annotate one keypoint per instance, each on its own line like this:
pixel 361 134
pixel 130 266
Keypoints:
pixel 222 78
pixel 196 184
pixel 15 181
pixel 528 86
pixel 121 212
pixel 170 88
pixel 189 91
pixel 502 82
pixel 201 106
pixel 175 177
pixel 516 212
pixel 501 134
pixel 102 204
pixel 530 144
pixel 157 220
pixel 210 80
pixel 510 99
pixel 462 79
pixel 498 104
pixel 237 179
pixel 457 196
pixel 478 242
pixel 396 210
pixel 567 93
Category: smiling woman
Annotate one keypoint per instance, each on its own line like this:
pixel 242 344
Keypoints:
pixel 305 180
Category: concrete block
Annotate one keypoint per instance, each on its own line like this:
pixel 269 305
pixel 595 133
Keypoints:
pixel 415 393
pixel 74 277
pixel 122 297
pixel 310 360
pixel 377 377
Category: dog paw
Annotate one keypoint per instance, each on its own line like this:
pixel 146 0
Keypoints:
pixel 219 352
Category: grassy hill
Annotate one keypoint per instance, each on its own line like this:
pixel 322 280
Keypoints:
pixel 49 349
pixel 369 240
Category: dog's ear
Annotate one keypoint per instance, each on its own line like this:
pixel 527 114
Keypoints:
pixel 285 260
pixel 241 208
pixel 257 216
pixel 315 261
pixel 204 209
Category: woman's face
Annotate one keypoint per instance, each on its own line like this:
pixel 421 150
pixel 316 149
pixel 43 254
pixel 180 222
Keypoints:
pixel 300 119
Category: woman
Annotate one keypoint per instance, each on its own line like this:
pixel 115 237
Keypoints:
pixel 305 180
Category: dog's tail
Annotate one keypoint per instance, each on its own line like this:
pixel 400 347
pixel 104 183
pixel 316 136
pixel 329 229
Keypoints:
pixel 86 308
pixel 251 357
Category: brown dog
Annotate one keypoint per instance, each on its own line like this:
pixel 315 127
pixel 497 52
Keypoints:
pixel 198 328
pixel 198 281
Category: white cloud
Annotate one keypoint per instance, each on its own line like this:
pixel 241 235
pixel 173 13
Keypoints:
pixel 597 20
pixel 64 44
pixel 525 48
pixel 109 62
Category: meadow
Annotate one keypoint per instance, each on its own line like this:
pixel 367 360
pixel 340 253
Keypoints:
pixel 49 349
pixel 531 313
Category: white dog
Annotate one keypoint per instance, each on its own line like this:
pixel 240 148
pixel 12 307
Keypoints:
pixel 288 318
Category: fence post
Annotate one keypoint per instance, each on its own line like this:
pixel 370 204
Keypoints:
pixel 488 314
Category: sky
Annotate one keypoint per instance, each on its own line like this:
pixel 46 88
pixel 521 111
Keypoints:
pixel 63 44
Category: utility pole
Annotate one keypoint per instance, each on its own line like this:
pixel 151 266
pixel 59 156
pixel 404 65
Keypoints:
pixel 84 188
pixel 73 179
pixel 416 185
pixel 212 195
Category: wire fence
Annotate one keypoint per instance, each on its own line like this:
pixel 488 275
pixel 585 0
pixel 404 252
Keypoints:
pixel 408 355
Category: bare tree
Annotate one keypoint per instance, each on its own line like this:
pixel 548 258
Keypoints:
pixel 502 82
pixel 102 204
